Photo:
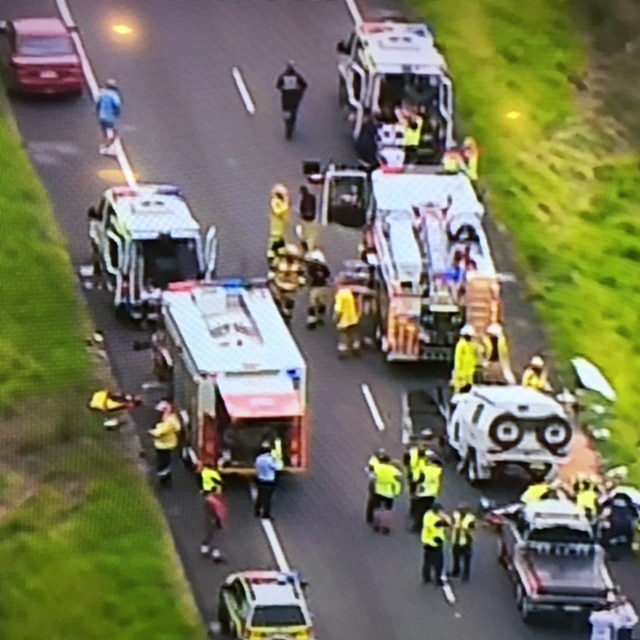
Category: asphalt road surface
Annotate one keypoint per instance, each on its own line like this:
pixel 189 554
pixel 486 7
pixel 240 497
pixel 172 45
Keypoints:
pixel 185 122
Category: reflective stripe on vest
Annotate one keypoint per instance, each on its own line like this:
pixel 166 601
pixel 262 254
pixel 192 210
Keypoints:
pixel 412 136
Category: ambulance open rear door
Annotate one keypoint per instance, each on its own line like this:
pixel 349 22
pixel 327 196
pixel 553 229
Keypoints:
pixel 256 407
pixel 345 194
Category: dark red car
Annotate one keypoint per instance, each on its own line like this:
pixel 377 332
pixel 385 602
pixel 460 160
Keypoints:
pixel 43 58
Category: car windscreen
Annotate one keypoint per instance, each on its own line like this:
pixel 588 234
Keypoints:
pixel 169 259
pixel 278 616
pixel 45 46
pixel 418 89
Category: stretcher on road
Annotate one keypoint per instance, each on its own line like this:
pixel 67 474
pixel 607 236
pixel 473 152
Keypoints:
pixel 422 421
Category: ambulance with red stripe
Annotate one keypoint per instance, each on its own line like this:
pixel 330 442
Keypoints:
pixel 238 378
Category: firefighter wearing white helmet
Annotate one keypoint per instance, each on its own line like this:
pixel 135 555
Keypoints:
pixel 495 356
pixel 287 278
pixel 318 275
pixel 535 375
pixel 465 361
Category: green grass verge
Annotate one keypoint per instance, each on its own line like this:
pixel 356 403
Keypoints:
pixel 84 550
pixel 556 178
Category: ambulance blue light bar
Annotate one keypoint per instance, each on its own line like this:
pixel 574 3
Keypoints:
pixel 170 190
pixel 294 374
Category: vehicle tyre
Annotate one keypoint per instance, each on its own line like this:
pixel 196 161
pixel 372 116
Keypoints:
pixel 506 432
pixel 223 619
pixel 523 604
pixel 554 434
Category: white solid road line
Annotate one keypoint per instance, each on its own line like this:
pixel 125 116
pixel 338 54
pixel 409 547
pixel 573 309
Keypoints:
pixel 354 11
pixel 373 407
pixel 67 18
pixel 243 90
pixel 449 596
pixel 274 543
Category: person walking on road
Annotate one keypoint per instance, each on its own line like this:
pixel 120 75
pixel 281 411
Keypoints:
pixel 433 537
pixel 109 110
pixel 214 511
pixel 318 275
pixel 387 485
pixel 165 440
pixel 463 524
pixel 267 468
pixel 496 362
pixel 307 209
pixel 292 87
pixel 287 278
pixel 624 618
pixel 602 620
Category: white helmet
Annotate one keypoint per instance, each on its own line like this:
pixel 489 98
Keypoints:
pixel 317 256
pixel 468 330
pixel 495 329
pixel 537 362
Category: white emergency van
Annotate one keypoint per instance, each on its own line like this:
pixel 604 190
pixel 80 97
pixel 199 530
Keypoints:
pixel 144 238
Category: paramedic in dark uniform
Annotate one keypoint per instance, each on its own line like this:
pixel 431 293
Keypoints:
pixel 267 467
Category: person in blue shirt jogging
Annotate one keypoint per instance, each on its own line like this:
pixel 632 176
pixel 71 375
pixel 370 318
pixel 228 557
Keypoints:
pixel 267 466
pixel 108 110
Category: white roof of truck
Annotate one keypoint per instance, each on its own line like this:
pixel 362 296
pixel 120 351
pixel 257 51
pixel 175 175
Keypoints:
pixel 228 327
pixel 513 398
pixel 401 48
pixel 401 191
pixel 150 210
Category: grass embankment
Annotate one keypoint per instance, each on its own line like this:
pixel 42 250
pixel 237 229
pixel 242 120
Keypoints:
pixel 561 174
pixel 84 550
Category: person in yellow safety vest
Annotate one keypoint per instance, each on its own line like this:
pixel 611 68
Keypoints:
pixel 452 161
pixel 165 440
pixel 276 450
pixel 535 375
pixel 107 402
pixel 537 492
pixel 211 480
pixel 495 356
pixel 387 486
pixel 413 460
pixel 287 278
pixel 463 524
pixel 587 495
pixel 280 213
pixel 427 490
pixel 412 135
pixel 470 158
pixel 433 536
pixel 465 361
pixel 347 318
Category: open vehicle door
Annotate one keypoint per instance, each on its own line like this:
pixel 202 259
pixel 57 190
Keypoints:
pixel 210 253
pixel 446 110
pixel 345 194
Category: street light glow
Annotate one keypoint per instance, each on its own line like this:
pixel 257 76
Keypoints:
pixel 122 29
pixel 513 115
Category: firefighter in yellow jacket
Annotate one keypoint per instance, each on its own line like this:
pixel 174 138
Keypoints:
pixel 495 356
pixel 280 213
pixel 347 319
pixel 466 360
pixel 287 278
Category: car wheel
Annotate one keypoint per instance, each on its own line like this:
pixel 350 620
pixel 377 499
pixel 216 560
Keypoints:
pixel 524 606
